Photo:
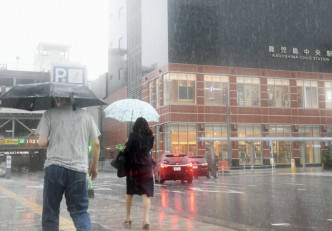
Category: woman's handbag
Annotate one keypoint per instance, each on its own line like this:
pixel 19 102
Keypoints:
pixel 119 163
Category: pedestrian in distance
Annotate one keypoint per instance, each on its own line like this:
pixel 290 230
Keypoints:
pixel 66 132
pixel 139 163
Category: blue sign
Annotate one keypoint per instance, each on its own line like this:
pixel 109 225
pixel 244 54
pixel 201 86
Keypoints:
pixel 67 74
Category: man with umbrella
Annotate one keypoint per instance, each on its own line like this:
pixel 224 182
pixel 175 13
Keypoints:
pixel 66 133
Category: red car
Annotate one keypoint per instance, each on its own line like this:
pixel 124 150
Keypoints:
pixel 174 167
pixel 200 166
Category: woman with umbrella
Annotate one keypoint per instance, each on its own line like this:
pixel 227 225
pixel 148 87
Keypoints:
pixel 139 164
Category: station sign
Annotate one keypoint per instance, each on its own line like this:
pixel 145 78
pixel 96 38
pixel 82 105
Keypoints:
pixel 68 74
pixel 15 152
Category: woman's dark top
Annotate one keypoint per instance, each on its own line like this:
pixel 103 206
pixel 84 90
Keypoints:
pixel 139 164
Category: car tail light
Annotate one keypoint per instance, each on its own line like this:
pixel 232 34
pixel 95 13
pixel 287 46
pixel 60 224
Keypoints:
pixel 163 165
pixel 190 165
pixel 205 164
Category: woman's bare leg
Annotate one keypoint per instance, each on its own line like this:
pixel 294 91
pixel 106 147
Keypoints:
pixel 146 206
pixel 129 203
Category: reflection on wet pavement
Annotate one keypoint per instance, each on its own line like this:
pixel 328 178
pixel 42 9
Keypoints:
pixel 21 200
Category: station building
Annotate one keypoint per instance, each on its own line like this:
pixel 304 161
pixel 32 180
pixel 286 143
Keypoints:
pixel 225 69
pixel 17 127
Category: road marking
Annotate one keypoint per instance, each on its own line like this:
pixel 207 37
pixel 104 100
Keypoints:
pixel 329 219
pixel 281 224
pixel 65 224
pixel 216 191
pixel 35 186
pixel 301 189
pixel 295 184
pixel 104 189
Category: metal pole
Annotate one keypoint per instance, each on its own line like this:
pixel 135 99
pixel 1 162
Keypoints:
pixel 251 155
pixel 229 150
pixel 303 154
pixel 13 128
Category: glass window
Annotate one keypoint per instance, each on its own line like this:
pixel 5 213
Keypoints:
pixel 181 138
pixel 328 95
pixel 282 150
pixel 150 92
pixel 248 91
pixel 220 147
pixel 312 148
pixel 250 152
pixel 157 92
pixel 179 88
pixel 166 85
pixel 215 89
pixel 307 93
pixel 278 92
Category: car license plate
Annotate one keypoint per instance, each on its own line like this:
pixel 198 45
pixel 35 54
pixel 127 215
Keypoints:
pixel 177 168
pixel 195 166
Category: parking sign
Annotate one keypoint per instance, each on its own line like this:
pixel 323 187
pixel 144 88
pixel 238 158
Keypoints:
pixel 68 74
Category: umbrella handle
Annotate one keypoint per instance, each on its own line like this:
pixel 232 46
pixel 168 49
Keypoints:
pixel 72 101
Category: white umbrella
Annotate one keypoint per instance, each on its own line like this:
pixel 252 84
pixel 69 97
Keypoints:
pixel 128 110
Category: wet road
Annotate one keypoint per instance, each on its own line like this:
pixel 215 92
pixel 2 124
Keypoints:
pixel 257 200
pixel 250 200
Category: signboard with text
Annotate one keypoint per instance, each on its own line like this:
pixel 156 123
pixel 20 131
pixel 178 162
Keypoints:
pixel 19 141
pixel 68 74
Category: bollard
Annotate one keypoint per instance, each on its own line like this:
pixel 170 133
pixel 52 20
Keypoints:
pixel 293 166
pixel 322 167
pixel 8 166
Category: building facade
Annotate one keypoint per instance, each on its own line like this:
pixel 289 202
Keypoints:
pixel 230 69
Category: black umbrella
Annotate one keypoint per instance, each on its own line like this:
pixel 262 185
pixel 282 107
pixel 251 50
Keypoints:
pixel 40 96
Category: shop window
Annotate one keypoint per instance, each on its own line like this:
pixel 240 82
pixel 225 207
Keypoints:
pixel 250 152
pixel 307 93
pixel 248 91
pixel 179 88
pixel 219 147
pixel 311 148
pixel 278 92
pixel 282 150
pixel 215 89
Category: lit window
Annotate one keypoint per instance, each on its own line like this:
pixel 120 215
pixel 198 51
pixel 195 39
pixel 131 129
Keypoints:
pixel 179 88
pixel 250 152
pixel 180 138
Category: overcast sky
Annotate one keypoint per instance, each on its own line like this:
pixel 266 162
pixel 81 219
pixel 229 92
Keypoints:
pixel 82 24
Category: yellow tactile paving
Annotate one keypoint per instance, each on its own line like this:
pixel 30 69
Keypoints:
pixel 65 224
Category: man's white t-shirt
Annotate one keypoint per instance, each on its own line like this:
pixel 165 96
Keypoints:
pixel 69 133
